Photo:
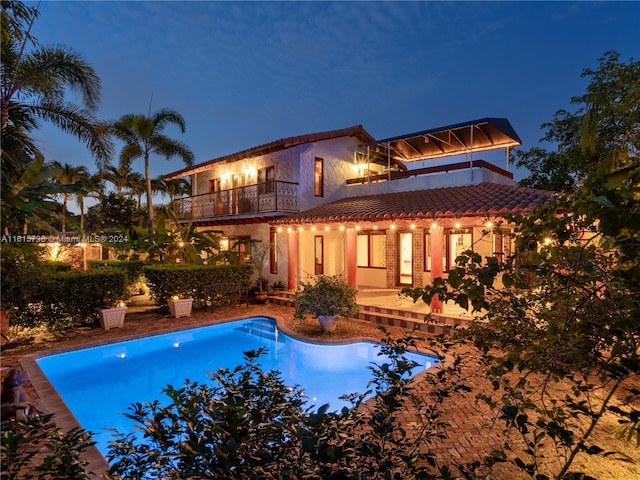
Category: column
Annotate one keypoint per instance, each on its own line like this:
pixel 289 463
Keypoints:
pixel 292 254
pixel 351 244
pixel 437 263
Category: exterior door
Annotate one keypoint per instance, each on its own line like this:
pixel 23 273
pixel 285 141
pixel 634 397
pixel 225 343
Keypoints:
pixel 405 258
pixel 238 193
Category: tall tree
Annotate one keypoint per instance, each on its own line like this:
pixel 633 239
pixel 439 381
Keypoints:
pixel 69 175
pixel 561 330
pixel 90 186
pixel 120 177
pixel 176 187
pixel 143 137
pixel 34 81
pixel 603 134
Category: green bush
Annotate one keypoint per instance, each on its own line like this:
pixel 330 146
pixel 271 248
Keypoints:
pixel 33 447
pixel 133 268
pixel 189 280
pixel 67 299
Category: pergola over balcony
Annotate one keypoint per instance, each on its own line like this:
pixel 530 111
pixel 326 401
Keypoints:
pixel 459 139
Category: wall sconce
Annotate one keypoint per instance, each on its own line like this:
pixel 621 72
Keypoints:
pixel 224 244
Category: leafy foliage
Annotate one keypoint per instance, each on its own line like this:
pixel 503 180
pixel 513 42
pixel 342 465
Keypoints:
pixel 46 293
pixel 602 134
pixel 248 424
pixel 327 296
pixel 33 447
pixel 168 280
pixel 560 333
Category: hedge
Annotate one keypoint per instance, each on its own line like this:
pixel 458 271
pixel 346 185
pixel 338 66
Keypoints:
pixel 133 268
pixel 187 280
pixel 67 299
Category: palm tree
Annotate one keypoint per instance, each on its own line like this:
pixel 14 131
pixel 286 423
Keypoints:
pixel 143 137
pixel 69 175
pixel 176 187
pixel 121 177
pixel 137 187
pixel 33 85
pixel 91 186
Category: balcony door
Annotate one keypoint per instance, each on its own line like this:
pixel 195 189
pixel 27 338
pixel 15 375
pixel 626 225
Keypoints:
pixel 238 200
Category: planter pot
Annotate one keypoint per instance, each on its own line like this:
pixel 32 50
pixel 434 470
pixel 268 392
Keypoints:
pixel 181 307
pixel 328 324
pixel 261 297
pixel 112 317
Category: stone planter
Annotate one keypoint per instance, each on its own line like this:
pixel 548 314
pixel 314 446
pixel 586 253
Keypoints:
pixel 328 324
pixel 180 307
pixel 112 317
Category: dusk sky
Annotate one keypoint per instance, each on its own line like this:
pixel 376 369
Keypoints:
pixel 248 73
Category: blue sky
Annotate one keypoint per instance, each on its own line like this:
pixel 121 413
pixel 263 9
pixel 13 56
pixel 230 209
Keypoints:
pixel 247 73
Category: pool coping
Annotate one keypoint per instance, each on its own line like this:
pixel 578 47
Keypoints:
pixel 50 401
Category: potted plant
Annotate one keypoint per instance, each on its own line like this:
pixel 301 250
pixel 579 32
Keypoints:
pixel 326 299
pixel 259 256
pixel 278 287
pixel 112 317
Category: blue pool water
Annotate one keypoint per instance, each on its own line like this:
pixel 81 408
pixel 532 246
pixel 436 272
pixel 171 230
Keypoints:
pixel 99 384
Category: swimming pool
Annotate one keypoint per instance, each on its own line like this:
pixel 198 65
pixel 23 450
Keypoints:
pixel 99 384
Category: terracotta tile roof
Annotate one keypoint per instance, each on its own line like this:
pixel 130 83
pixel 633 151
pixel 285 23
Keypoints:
pixel 485 199
pixel 357 131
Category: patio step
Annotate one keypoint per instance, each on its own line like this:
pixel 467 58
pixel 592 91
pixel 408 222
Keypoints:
pixel 260 328
pixel 438 323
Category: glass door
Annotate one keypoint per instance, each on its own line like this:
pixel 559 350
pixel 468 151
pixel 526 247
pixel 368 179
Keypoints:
pixel 405 258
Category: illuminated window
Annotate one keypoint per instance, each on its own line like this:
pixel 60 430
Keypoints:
pixel 319 254
pixel 318 177
pixel 372 249
pixel 427 251
pixel 457 241
pixel 273 253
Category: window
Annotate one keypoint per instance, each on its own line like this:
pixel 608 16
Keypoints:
pixel 265 179
pixel 501 244
pixel 214 185
pixel 427 251
pixel 319 254
pixel 238 246
pixel 318 177
pixel 372 250
pixel 457 241
pixel 273 253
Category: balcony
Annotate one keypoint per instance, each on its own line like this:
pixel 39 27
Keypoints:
pixel 268 197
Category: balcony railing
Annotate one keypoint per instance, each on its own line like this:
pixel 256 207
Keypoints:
pixel 449 167
pixel 272 196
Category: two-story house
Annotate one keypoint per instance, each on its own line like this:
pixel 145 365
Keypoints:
pixel 342 203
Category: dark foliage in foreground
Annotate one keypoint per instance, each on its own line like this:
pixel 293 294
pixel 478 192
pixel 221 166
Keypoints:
pixel 250 425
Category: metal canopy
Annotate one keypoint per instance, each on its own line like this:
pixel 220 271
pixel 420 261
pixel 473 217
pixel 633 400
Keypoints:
pixel 462 138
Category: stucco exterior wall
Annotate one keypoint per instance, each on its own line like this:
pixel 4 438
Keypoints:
pixel 337 154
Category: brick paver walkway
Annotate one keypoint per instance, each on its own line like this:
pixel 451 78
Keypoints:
pixel 471 433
